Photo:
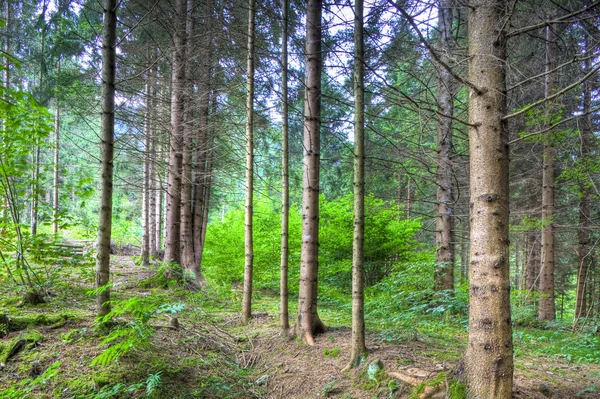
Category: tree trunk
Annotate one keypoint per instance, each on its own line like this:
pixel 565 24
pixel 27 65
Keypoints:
pixel 174 174
pixel 203 146
pixel 35 190
pixel 359 349
pixel 584 203
pixel 188 260
pixel 107 149
pixel 488 361
pixel 546 308
pixel 248 242
pixel 308 319
pixel 145 250
pixel 55 206
pixel 444 235
pixel 285 176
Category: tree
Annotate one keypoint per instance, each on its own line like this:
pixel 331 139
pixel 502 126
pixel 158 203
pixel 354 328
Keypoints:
pixel 285 175
pixel 174 174
pixel 584 253
pixel 444 234
pixel 248 243
pixel 109 37
pixel 546 307
pixel 308 318
pixel 488 361
pixel 359 349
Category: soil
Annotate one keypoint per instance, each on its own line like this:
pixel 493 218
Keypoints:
pixel 258 361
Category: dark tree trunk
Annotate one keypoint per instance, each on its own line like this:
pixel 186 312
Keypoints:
pixel 107 150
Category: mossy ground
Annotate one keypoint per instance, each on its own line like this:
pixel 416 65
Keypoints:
pixel 212 355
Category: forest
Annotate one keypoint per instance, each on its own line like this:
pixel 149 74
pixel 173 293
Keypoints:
pixel 299 199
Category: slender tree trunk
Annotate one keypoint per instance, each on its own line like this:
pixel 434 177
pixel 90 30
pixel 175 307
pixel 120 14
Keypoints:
pixel 203 145
pixel 444 235
pixel 533 264
pixel 308 319
pixel 285 176
pixel 4 206
pixel 188 261
pixel 152 188
pixel 35 190
pixel 408 197
pixel 584 203
pixel 107 150
pixel 174 174
pixel 55 205
pixel 488 361
pixel 145 250
pixel 248 239
pixel 358 349
pixel 546 308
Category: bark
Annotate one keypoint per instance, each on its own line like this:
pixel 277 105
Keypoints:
pixel 174 174
pixel 358 349
pixel 584 204
pixel 285 176
pixel 546 308
pixel 188 260
pixel 55 183
pixel 488 361
pixel 533 262
pixel 35 190
pixel 107 150
pixel 444 235
pixel 204 146
pixel 145 250
pixel 308 319
pixel 248 239
pixel 152 178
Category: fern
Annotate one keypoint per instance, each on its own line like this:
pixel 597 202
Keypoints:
pixel 153 382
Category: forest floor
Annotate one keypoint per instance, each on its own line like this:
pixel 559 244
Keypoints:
pixel 207 353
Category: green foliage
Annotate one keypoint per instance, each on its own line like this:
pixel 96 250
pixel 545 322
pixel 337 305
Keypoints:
pixel 389 240
pixel 24 388
pixel 134 334
pixel 333 352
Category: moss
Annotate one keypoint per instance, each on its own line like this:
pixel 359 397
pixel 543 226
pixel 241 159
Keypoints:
pixel 34 320
pixel 333 352
pixel 434 382
pixel 25 341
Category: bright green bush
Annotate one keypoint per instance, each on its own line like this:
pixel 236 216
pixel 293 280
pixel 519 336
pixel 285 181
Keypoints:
pixel 389 240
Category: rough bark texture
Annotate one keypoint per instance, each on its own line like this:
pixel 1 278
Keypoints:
pixel 488 361
pixel 358 350
pixel 444 234
pixel 285 176
pixel 145 249
pixel 248 239
pixel 55 182
pixel 107 150
pixel 308 319
pixel 188 260
pixel 174 175
pixel 533 263
pixel 203 157
pixel 584 204
pixel 546 307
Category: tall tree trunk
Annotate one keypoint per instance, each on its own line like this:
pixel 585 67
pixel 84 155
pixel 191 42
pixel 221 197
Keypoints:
pixel 4 206
pixel 188 261
pixel 358 349
pixel 285 176
pixel 174 174
pixel 488 361
pixel 444 234
pixel 55 205
pixel 584 203
pixel 203 145
pixel 533 263
pixel 107 150
pixel 35 189
pixel 308 318
pixel 152 187
pixel 145 250
pixel 248 239
pixel 546 308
